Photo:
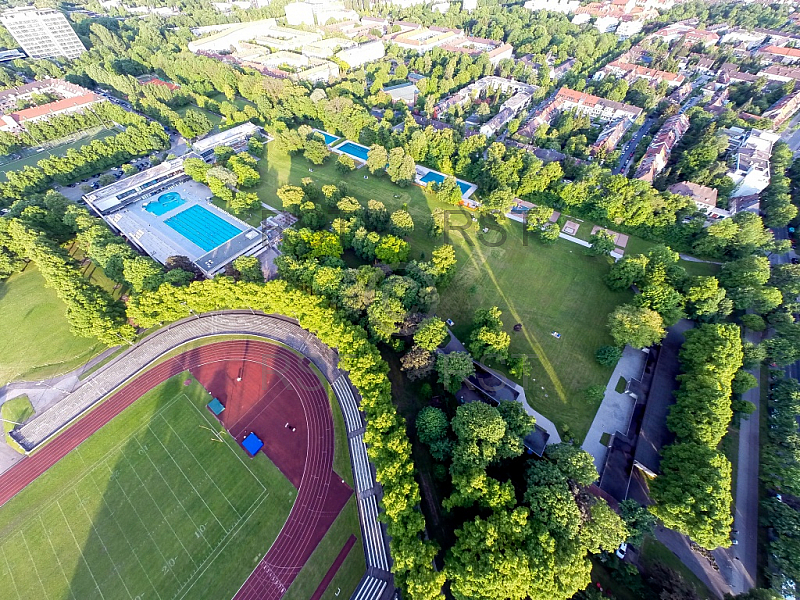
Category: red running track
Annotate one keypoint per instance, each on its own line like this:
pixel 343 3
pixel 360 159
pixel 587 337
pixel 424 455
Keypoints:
pixel 263 386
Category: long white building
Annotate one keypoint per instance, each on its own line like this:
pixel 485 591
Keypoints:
pixel 42 32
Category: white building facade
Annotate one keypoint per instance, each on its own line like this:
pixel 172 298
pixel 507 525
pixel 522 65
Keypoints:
pixel 42 33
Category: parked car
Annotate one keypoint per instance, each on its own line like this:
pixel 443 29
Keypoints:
pixel 622 550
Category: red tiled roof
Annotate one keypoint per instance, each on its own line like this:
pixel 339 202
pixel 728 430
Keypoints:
pixel 780 51
pixel 157 81
pixel 54 107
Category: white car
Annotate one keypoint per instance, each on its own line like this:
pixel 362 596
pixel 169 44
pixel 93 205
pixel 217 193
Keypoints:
pixel 622 550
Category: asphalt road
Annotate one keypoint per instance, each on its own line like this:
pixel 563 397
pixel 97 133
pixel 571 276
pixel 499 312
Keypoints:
pixel 630 148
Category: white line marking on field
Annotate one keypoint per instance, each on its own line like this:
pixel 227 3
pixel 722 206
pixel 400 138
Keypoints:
pixel 8 568
pixel 60 566
pixel 102 543
pixel 78 546
pixel 35 568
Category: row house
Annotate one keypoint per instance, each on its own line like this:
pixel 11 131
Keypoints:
pixel 659 150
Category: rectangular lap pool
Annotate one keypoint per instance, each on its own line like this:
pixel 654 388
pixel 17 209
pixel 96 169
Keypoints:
pixel 328 137
pixel 439 178
pixel 164 204
pixel 202 227
pixel 355 150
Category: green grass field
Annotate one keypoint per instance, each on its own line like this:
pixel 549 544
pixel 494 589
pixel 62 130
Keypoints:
pixel 546 288
pixel 151 506
pixel 14 411
pixel 61 150
pixel 35 338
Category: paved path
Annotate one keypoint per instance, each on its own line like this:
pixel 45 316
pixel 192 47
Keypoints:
pixel 696 563
pixel 689 258
pixel 616 408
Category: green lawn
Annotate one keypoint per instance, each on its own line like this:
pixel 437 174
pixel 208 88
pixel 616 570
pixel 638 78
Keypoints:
pixel 16 410
pixel 95 274
pixel 61 150
pixel 151 506
pixel 546 288
pixel 35 338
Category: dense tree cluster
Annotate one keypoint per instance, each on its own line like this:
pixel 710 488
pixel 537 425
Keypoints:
pixel 692 493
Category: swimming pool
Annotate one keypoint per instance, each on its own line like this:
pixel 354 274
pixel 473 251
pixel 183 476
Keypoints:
pixel 431 176
pixel 354 150
pixel 164 204
pixel 202 227
pixel 329 138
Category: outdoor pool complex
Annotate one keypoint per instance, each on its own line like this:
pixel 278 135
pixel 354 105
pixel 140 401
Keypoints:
pixel 202 227
pixel 165 203
pixel 439 178
pixel 329 138
pixel 354 150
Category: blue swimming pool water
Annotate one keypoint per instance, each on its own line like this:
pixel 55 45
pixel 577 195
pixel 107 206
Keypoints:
pixel 329 139
pixel 439 178
pixel 354 150
pixel 165 203
pixel 202 227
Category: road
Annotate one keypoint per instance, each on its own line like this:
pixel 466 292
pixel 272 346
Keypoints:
pixel 630 148
pixel 791 135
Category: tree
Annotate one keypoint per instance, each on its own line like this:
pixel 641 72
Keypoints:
pixel 538 217
pixel 377 157
pixel 430 333
pixel 142 273
pixel 391 250
pixel 384 317
pixel 639 327
pixel 401 167
pixel 194 124
pixel 602 243
pixel 448 191
pixel 453 368
pixel 244 202
pixel 401 223
pixel 196 168
pixel 576 465
pixel 693 493
pixel 292 197
pixel 432 425
pixel 345 164
pixel 316 151
pixel 608 356
pixel 249 269
pixel 376 217
pixel 487 337
pixel 443 260
pixel 418 363
pixel 638 519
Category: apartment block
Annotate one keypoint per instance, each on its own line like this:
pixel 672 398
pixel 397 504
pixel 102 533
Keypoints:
pixel 598 109
pixel 778 54
pixel 42 32
pixel 659 150
pixel 751 162
pixel 631 73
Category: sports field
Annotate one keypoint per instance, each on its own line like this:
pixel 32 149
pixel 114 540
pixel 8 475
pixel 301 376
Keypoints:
pixel 60 150
pixel 546 288
pixel 28 350
pixel 153 505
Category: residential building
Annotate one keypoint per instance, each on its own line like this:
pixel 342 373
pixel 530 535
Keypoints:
pixel 629 26
pixel 496 51
pixel 631 73
pixel 42 32
pixel 606 24
pixel 424 39
pixel 780 73
pixel 783 109
pixel 659 150
pixel 740 77
pixel 362 54
pixel 705 198
pixel 737 35
pixel 598 109
pixel 404 92
pixel 7 55
pixel 617 9
pixel 469 5
pixel 508 111
pixel 610 136
pixel 681 94
pixel 264 33
pixel 317 12
pixel 750 172
pixel 71 98
pixel 327 47
pixel 690 35
pixel 561 6
pixel 777 54
pixel 481 87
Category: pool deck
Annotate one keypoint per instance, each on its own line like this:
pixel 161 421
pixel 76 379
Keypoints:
pixel 160 241
pixel 422 172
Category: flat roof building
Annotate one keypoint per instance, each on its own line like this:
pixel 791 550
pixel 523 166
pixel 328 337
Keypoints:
pixel 423 39
pixel 42 32
pixel 362 54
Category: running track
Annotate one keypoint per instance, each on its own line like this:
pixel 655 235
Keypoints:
pixel 272 379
